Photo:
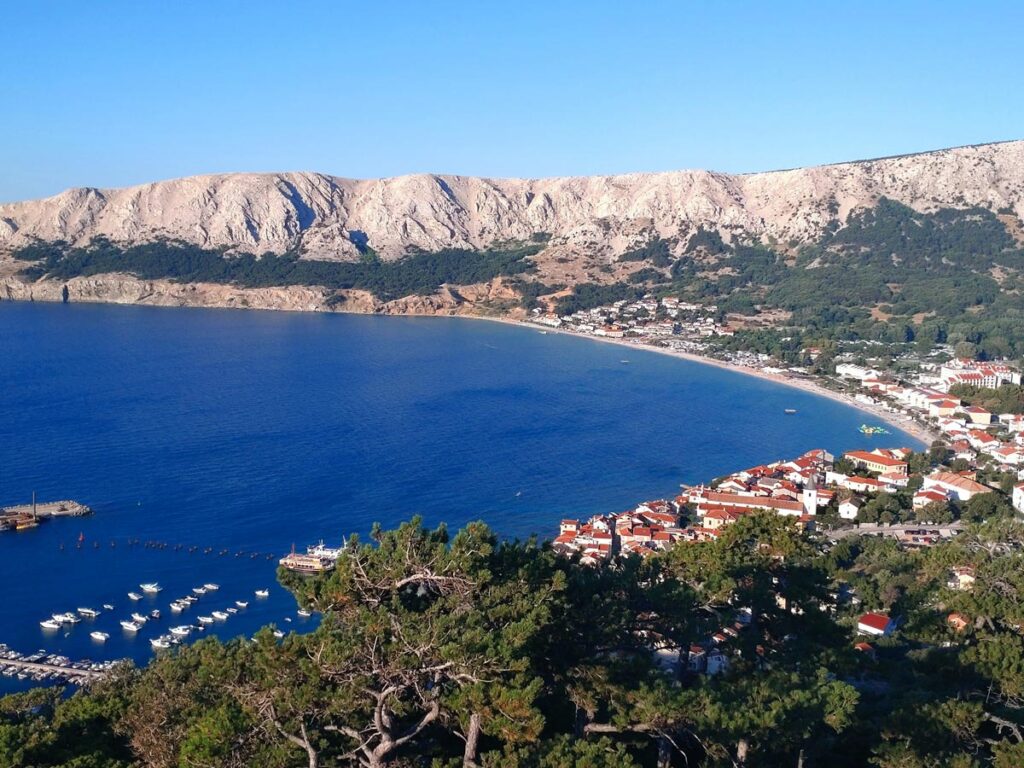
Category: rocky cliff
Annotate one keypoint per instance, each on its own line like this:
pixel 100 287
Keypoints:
pixel 589 220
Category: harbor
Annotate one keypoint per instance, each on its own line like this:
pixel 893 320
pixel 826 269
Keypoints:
pixel 43 667
pixel 23 517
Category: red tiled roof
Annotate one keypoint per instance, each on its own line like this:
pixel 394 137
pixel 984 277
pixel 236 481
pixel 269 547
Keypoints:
pixel 877 621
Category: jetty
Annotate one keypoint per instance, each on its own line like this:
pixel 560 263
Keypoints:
pixel 42 666
pixel 23 516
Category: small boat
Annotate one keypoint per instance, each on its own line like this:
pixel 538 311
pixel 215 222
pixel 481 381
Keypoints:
pixel 278 634
pixel 135 596
pixel 624 362
pixel 304 613
pixel 241 603
pixel 189 599
pixel 90 613
pixel 99 636
pixel 262 593
pixel 159 642
pixel 182 631
pixel 108 607
pixel 131 626
pixel 211 587
pixel 151 588
pixel 155 613
pixel 139 618
pixel 219 615
pixel 205 620
pixel 231 610
pixel 49 624
pixel 790 411
pixel 199 590
pixel 66 618
pixel 177 607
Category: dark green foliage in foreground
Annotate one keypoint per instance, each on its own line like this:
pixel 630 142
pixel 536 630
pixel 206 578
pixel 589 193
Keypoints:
pixel 448 651
pixel 658 252
pixel 417 274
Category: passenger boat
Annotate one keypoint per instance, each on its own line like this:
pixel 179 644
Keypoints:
pixel 219 615
pixel 262 593
pixel 134 596
pixel 310 562
pixel 131 626
pixel 49 624
pixel 205 620
pixel 139 618
pixel 151 588
pixel 90 613
pixel 99 636
pixel 211 587
pixel 241 603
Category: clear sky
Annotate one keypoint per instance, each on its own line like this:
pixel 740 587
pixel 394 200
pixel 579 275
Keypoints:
pixel 109 94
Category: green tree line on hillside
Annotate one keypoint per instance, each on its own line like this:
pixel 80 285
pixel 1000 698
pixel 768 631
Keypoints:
pixel 468 651
pixel 419 273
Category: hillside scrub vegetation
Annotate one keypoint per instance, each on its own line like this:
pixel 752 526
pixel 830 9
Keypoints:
pixel 467 650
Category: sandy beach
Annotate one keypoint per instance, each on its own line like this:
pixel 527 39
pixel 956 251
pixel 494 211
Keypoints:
pixel 926 436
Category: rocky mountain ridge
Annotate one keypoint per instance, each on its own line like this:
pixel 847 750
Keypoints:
pixel 598 217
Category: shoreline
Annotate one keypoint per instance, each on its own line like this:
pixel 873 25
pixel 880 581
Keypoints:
pixel 912 428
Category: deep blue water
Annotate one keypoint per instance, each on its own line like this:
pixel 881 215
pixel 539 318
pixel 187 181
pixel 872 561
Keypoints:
pixel 249 431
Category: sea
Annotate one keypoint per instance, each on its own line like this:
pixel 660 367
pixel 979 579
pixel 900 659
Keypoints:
pixel 210 442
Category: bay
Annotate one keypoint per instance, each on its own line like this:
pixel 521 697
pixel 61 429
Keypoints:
pixel 245 432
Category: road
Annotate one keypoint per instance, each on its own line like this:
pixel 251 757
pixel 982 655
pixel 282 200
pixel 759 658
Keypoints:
pixel 946 531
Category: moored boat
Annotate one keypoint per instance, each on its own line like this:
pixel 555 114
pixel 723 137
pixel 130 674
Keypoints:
pixel 181 631
pixel 131 626
pixel 151 588
pixel 205 619
pixel 304 613
pixel 90 613
pixel 134 596
pixel 99 636
pixel 211 587
pixel 241 603
pixel 49 624
pixel 262 593
pixel 219 615
pixel 139 618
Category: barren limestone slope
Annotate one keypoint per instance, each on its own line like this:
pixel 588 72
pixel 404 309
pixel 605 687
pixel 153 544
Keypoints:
pixel 589 218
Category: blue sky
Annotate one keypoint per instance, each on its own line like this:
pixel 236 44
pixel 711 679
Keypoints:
pixel 109 94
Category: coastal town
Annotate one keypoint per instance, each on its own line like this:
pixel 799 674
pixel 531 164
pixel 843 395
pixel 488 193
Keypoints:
pixel 973 471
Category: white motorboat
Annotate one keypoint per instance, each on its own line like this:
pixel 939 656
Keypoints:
pixel 278 634
pixel 231 610
pixel 181 631
pixel 108 607
pixel 211 587
pixel 262 593
pixel 90 613
pixel 99 636
pixel 131 626
pixel 199 590
pixel 49 624
pixel 241 603
pixel 206 620
pixel 219 615
pixel 177 607
pixel 134 596
pixel 139 618
pixel 159 642
pixel 155 613
pixel 151 588
pixel 304 613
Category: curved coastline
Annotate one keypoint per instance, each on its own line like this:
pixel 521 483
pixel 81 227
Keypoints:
pixel 924 435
